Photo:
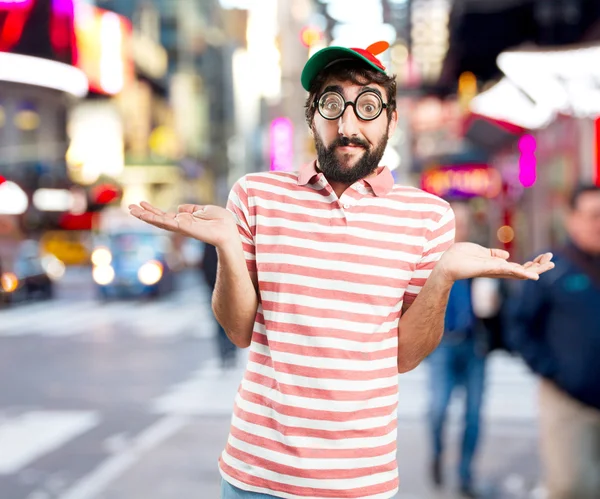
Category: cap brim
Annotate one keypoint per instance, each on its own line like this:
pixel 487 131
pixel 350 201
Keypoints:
pixel 326 56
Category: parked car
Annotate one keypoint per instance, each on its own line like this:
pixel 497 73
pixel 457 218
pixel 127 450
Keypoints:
pixel 27 275
pixel 133 264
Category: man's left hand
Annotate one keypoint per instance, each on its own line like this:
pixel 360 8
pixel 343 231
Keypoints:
pixel 469 260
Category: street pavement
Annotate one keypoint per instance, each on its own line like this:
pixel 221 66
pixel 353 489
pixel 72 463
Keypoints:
pixel 127 400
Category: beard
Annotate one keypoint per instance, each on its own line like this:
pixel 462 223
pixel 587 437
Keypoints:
pixel 335 171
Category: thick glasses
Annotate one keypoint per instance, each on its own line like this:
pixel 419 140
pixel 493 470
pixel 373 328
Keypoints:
pixel 367 106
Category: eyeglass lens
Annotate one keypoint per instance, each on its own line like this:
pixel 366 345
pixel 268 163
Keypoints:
pixel 367 106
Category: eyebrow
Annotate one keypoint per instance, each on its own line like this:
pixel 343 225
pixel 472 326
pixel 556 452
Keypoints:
pixel 340 90
pixel 333 88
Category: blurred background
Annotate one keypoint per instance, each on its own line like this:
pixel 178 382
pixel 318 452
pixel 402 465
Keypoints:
pixel 113 384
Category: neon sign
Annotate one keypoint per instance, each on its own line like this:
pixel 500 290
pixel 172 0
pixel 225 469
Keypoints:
pixel 527 161
pixel 103 40
pixel 282 144
pixel 462 181
pixel 30 27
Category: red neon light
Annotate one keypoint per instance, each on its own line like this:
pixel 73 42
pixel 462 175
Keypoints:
pixel 597 151
pixel 12 30
pixel 16 22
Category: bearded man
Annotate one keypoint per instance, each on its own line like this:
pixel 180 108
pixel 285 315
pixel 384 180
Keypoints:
pixel 337 280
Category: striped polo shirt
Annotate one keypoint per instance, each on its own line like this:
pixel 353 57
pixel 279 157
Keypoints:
pixel 315 415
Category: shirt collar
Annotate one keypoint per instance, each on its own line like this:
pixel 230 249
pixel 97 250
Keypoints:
pixel 382 183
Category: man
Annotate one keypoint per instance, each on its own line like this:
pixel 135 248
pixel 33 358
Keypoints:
pixel 315 269
pixel 557 331
pixel 459 360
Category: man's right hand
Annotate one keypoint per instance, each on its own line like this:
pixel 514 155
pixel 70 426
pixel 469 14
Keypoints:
pixel 210 224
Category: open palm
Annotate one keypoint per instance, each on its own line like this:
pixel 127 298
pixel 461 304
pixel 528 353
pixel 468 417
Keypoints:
pixel 210 224
pixel 469 260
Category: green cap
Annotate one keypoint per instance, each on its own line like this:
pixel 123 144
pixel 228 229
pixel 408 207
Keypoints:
pixel 327 56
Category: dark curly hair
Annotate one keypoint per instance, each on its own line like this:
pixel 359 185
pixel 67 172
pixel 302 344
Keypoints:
pixel 355 72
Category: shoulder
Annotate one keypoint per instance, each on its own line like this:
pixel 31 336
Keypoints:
pixel 259 179
pixel 409 194
pixel 427 205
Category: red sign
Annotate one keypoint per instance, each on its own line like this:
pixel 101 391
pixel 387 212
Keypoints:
pixel 31 27
pixel 104 45
pixel 462 181
pixel 597 150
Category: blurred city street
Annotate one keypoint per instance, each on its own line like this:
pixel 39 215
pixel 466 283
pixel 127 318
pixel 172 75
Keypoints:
pixel 126 399
pixel 142 140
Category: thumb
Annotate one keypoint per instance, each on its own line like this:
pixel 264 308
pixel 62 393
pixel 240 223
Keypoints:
pixel 498 253
pixel 202 212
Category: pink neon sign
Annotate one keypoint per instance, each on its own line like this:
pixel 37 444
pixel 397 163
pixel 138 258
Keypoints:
pixel 282 144
pixel 14 3
pixel 527 161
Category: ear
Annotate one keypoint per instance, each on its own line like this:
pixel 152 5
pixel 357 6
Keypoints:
pixel 393 123
pixel 311 131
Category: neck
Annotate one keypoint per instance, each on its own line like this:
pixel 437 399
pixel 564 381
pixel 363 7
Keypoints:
pixel 339 188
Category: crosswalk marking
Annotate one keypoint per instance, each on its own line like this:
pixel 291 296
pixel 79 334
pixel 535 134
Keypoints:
pixel 152 319
pixel 510 394
pixel 26 438
pixel 208 392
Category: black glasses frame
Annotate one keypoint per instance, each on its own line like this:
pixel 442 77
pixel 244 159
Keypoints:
pixel 350 103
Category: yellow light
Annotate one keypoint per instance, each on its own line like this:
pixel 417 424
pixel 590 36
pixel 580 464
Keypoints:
pixel 9 282
pixel 54 268
pixel 27 120
pixel 2 117
pixel 101 257
pixel 103 275
pixel 505 234
pixel 150 273
pixel 310 36
pixel 399 54
pixel 467 83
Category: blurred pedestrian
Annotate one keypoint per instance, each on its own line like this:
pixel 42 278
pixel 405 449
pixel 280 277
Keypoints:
pixel 459 361
pixel 557 331
pixel 227 350
pixel 315 269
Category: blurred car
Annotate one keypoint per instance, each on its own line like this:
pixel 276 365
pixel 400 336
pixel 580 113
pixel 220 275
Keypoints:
pixel 133 264
pixel 26 274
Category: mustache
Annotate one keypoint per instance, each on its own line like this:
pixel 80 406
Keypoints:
pixel 345 141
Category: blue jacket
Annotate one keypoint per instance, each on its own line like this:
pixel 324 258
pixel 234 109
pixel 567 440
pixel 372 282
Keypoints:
pixel 555 326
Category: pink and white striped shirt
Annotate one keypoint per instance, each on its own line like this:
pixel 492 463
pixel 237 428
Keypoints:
pixel 315 416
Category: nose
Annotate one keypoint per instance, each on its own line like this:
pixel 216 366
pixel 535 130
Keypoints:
pixel 348 123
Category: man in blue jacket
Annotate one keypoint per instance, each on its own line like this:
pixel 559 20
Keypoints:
pixel 459 361
pixel 556 329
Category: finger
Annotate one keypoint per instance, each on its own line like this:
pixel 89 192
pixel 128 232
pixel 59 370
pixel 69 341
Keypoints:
pixel 185 222
pixel 546 258
pixel 523 273
pixel 163 222
pixel 514 270
pixel 498 253
pixel 189 208
pixel 136 211
pixel 528 264
pixel 542 267
pixel 151 209
pixel 156 211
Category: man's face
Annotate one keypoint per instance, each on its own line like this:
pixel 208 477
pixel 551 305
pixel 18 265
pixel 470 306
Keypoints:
pixel 348 148
pixel 583 223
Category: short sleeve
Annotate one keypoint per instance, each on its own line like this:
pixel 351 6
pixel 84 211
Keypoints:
pixel 238 204
pixel 439 238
